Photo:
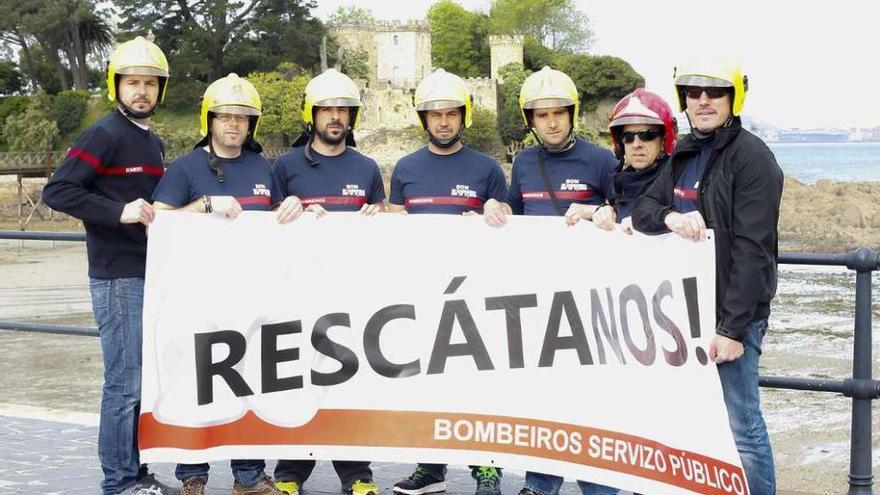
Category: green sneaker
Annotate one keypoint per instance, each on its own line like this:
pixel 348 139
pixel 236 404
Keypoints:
pixel 364 487
pixel 488 481
pixel 288 487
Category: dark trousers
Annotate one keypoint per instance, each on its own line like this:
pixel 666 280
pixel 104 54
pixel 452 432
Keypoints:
pixel 300 470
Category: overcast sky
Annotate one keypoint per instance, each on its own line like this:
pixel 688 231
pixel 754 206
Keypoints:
pixel 808 65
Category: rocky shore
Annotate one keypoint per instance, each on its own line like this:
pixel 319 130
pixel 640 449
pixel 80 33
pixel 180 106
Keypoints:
pixel 829 217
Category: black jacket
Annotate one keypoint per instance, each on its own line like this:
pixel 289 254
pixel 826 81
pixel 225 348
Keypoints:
pixel 630 184
pixel 740 192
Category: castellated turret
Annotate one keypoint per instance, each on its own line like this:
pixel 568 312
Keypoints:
pixel 505 50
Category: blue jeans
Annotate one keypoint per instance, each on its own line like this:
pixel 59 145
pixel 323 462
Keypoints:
pixel 245 472
pixel 548 484
pixel 739 381
pixel 118 306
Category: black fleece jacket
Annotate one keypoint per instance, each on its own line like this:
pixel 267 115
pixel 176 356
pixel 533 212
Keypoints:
pixel 739 196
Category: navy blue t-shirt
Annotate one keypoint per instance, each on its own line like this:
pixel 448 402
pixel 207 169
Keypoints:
pixel 425 182
pixel 338 183
pixel 686 194
pixel 583 174
pixel 248 178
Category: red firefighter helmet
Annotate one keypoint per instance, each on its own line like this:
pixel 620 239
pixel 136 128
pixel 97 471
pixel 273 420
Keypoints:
pixel 643 107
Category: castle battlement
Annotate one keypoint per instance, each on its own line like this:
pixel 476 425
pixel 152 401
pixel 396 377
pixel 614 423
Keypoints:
pixel 506 39
pixel 393 25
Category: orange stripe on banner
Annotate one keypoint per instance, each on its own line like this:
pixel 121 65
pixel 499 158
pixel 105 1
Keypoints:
pixel 618 452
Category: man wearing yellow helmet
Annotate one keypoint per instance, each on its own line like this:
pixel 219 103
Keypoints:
pixel 322 174
pixel 224 175
pixel 723 177
pixel 105 181
pixel 447 177
pixel 563 175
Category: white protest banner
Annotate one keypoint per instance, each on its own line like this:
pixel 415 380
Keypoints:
pixel 534 346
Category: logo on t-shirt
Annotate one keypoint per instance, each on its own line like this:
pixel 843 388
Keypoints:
pixel 463 191
pixel 574 185
pixel 353 190
pixel 262 190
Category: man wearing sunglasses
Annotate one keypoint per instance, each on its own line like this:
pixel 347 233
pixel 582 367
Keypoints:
pixel 725 178
pixel 643 131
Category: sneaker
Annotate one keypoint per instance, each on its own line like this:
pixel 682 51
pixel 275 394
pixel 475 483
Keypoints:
pixel 193 486
pixel 263 487
pixel 150 485
pixel 420 482
pixel 364 487
pixel 287 487
pixel 488 480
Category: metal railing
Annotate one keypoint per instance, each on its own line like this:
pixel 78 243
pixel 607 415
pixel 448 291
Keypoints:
pixel 861 387
pixel 42 163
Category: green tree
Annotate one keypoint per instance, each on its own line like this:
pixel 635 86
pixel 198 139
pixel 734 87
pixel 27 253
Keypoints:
pixel 536 55
pixel 599 78
pixel 33 130
pixel 208 39
pixel 510 122
pixel 351 14
pixel 284 31
pixel 68 109
pixel 10 78
pixel 458 39
pixel 356 64
pixel 67 31
pixel 557 24
pixel 175 138
pixel 12 33
pixel 281 97
pixel 483 134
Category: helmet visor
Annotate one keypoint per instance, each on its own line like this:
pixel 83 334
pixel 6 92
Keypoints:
pixel 338 102
pixel 235 110
pixel 142 70
pixel 635 119
pixel 548 103
pixel 439 105
pixel 702 81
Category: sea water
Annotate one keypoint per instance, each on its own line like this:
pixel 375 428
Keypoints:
pixel 841 162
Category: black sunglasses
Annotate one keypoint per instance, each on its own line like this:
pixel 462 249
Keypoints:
pixel 644 136
pixel 713 92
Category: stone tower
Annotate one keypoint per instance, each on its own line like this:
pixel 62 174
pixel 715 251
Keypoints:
pixel 505 50
pixel 403 52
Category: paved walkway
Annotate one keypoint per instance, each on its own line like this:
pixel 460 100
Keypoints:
pixel 39 456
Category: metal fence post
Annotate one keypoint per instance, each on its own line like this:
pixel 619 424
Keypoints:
pixel 864 261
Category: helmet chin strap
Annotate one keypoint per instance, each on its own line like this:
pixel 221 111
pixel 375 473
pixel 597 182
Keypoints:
pixel 445 143
pixel 214 161
pixel 134 114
